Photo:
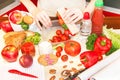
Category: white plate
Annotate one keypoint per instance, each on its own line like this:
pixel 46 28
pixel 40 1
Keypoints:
pixel 17 27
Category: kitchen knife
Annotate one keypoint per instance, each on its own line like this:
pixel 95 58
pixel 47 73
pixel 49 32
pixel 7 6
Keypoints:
pixel 3 18
pixel 71 77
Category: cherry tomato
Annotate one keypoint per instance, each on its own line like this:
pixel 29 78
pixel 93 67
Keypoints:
pixel 64 58
pixel 56 39
pixel 67 32
pixel 58 32
pixel 58 54
pixel 64 38
pixel 59 49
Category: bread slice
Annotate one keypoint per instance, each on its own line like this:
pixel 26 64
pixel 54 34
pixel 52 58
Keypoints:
pixel 15 38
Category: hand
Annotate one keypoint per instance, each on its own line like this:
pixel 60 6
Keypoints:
pixel 42 18
pixel 73 15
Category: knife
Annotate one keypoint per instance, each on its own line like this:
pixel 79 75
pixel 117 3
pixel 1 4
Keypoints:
pixel 14 71
pixel 71 77
pixel 3 18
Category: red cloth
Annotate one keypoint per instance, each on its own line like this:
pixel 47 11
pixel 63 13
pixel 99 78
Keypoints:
pixel 21 7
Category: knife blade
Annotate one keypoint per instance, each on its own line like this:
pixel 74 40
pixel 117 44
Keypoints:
pixel 71 77
pixel 3 18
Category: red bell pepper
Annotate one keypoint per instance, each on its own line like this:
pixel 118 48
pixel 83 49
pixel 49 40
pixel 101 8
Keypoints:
pixel 102 45
pixel 89 58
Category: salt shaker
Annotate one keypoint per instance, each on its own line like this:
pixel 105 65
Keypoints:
pixel 86 25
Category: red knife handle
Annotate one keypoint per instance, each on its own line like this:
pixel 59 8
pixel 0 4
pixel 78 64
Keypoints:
pixel 14 71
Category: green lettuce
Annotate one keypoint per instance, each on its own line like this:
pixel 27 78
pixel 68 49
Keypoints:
pixel 115 38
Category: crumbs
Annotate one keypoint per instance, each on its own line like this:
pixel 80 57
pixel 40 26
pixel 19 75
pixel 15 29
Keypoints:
pixel 66 71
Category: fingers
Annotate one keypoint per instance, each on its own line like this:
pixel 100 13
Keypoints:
pixel 72 15
pixel 44 19
pixel 38 24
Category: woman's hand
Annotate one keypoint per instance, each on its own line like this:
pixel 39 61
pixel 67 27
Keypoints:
pixel 42 18
pixel 72 15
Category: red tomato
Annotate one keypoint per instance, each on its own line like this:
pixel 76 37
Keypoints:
pixel 72 48
pixel 59 49
pixel 64 37
pixel 58 32
pixel 56 39
pixel 28 48
pixel 67 32
pixel 58 54
pixel 64 58
pixel 10 53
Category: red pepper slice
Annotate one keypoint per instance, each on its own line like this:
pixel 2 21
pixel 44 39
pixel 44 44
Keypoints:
pixel 89 58
pixel 14 71
pixel 102 45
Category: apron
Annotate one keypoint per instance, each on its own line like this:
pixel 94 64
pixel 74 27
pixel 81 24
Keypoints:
pixel 51 6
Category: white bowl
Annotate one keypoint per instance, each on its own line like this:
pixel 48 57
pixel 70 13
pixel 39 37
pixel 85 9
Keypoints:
pixel 17 27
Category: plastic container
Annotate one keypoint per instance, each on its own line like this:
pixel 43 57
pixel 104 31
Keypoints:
pixel 85 29
pixel 97 18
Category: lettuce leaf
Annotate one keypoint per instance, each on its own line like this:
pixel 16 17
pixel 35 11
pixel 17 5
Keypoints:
pixel 115 38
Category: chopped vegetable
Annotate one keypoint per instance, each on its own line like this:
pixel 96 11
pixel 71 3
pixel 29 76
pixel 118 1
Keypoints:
pixel 34 38
pixel 90 41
